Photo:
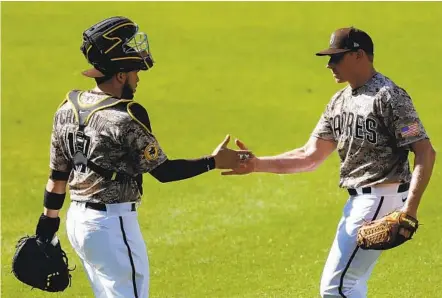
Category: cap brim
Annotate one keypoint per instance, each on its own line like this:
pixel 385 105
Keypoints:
pixel 92 73
pixel 327 52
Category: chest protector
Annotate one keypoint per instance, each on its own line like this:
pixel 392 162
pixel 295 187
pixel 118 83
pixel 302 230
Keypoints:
pixel 83 114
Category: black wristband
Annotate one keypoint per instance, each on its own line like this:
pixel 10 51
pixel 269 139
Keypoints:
pixel 53 200
pixel 57 175
pixel 210 163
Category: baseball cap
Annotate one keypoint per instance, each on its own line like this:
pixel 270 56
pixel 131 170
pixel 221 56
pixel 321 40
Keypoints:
pixel 346 40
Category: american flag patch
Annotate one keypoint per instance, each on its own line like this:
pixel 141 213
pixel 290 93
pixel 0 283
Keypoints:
pixel 410 130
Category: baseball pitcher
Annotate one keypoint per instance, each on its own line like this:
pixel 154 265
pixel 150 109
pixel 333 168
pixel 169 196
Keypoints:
pixel 373 125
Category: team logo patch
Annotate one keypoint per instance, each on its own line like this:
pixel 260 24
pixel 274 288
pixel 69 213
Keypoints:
pixel 151 152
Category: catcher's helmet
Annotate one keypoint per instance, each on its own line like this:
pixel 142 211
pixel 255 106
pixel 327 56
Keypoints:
pixel 115 45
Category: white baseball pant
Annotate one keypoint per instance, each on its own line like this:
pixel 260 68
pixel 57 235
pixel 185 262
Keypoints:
pixel 111 248
pixel 348 267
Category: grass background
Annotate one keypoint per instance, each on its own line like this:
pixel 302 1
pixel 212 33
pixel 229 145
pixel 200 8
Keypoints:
pixel 245 68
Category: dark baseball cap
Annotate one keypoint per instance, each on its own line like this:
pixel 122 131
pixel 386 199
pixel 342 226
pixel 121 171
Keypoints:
pixel 346 40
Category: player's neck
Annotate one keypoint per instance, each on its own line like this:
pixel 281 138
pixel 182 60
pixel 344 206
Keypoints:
pixel 108 89
pixel 362 79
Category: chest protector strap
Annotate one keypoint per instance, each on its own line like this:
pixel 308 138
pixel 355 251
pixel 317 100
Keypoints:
pixel 83 113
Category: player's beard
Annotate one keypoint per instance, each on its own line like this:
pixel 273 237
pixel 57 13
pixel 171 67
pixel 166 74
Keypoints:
pixel 127 92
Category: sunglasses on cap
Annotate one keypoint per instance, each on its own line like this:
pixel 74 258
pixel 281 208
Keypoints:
pixel 336 58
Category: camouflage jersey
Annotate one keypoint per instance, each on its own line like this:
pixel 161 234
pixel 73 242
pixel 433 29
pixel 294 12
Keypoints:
pixel 373 127
pixel 117 141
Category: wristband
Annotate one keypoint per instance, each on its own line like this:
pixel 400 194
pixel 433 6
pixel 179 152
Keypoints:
pixel 53 201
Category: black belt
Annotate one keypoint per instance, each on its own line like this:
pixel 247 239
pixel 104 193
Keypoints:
pixel 367 190
pixel 102 207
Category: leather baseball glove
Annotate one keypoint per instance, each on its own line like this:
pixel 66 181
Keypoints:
pixel 387 232
pixel 41 265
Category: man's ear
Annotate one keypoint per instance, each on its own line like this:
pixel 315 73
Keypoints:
pixel 360 54
pixel 121 77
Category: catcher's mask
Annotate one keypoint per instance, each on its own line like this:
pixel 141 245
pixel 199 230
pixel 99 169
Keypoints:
pixel 115 45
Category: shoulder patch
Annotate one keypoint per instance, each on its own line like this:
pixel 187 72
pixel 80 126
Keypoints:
pixel 139 114
pixel 151 152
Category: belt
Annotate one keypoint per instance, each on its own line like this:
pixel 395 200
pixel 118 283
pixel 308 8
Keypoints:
pixel 367 190
pixel 102 207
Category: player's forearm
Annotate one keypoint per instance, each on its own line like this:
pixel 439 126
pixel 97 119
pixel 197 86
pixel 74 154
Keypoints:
pixel 423 167
pixel 180 169
pixel 293 153
pixel 294 161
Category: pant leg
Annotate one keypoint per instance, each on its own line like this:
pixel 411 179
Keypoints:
pixel 96 284
pixel 118 254
pixel 72 226
pixel 114 253
pixel 140 256
pixel 348 268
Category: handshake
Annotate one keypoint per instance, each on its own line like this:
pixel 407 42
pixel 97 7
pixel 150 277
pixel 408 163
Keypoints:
pixel 239 162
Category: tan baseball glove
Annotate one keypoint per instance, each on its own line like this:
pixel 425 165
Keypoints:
pixel 387 232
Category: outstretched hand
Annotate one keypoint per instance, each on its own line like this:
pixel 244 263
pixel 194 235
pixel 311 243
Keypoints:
pixel 226 158
pixel 248 163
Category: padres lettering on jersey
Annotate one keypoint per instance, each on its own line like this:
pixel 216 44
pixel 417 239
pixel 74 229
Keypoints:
pixel 117 139
pixel 373 127
pixel 354 125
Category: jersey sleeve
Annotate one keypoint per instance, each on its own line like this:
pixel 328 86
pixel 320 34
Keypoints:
pixel 57 160
pixel 402 119
pixel 324 129
pixel 145 151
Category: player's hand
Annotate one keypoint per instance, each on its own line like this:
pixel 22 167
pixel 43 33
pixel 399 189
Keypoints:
pixel 226 158
pixel 410 212
pixel 247 166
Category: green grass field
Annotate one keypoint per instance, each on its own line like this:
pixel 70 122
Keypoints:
pixel 224 67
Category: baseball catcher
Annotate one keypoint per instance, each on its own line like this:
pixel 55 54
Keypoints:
pixel 387 232
pixel 101 145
